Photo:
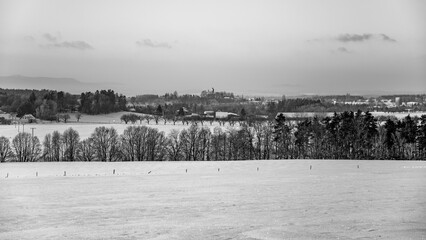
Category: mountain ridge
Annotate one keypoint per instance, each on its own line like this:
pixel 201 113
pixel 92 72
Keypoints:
pixel 65 84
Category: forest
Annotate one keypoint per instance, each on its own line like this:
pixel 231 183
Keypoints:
pixel 47 104
pixel 348 135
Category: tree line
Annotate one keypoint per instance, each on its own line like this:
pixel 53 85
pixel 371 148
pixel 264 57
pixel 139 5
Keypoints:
pixel 198 105
pixel 42 104
pixel 49 105
pixel 101 102
pixel 347 135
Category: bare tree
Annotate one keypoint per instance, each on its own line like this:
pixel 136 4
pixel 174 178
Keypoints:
pixel 27 148
pixel 64 117
pixel 78 116
pixel 218 144
pixel 174 146
pixel 129 143
pixel 131 117
pixel 86 151
pixel 57 146
pixel 48 155
pixel 148 118
pixel 233 148
pixel 262 140
pixel 155 145
pixel 174 119
pixel 189 139
pixel 70 139
pixel 141 143
pixel 124 118
pixel 5 149
pixel 157 118
pixel 105 143
pixel 134 143
pixel 204 142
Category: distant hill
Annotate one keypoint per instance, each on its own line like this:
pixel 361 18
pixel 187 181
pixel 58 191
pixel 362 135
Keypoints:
pixel 60 84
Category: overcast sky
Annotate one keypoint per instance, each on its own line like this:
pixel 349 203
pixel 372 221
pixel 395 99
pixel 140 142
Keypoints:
pixel 251 47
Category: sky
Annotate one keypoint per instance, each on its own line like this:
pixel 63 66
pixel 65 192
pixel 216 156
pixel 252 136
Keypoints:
pixel 251 47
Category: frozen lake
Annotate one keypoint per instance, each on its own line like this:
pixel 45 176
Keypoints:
pixel 214 200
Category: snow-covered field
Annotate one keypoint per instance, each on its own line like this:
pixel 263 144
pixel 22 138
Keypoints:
pixel 214 200
pixel 86 129
pixel 88 123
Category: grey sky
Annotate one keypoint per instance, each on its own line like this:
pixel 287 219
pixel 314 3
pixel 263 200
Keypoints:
pixel 252 47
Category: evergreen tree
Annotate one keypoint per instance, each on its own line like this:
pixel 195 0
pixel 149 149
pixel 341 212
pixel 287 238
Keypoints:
pixel 421 133
pixel 159 110
pixel 281 133
pixel 243 114
pixel 302 137
pixel 390 137
pixel 25 108
pixel 32 98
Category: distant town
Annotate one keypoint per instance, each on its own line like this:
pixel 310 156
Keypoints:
pixel 33 105
pixel 210 101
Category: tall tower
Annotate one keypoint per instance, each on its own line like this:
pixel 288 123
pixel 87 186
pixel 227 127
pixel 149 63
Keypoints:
pixel 398 101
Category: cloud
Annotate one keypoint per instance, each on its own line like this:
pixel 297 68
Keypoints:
pixel 363 37
pixel 353 37
pixel 387 38
pixel 343 50
pixel 28 39
pixel 54 42
pixel 150 43
pixel 315 40
pixel 340 50
pixel 50 37
pixel 79 45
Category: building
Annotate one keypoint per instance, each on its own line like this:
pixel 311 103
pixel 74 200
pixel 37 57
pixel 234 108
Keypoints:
pixel 209 114
pixel 29 118
pixel 224 115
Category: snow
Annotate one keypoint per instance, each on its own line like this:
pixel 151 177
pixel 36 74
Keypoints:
pixel 86 129
pixel 281 200
pixel 103 118
pixel 88 123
